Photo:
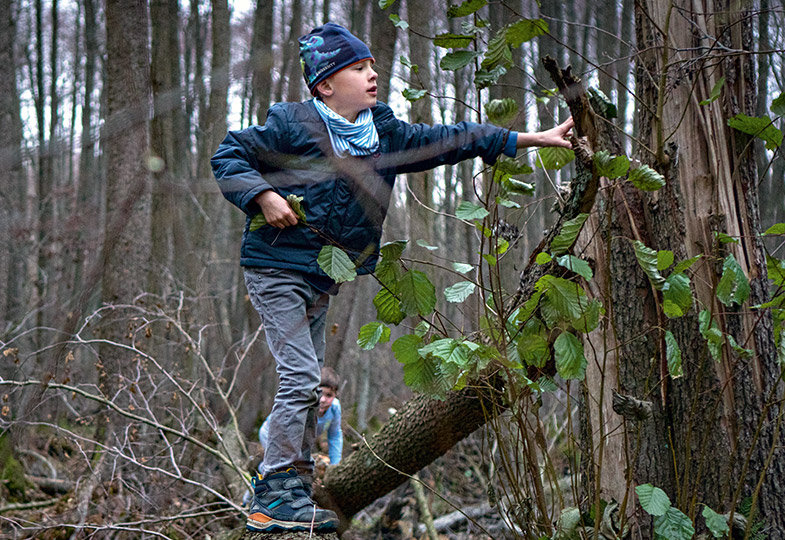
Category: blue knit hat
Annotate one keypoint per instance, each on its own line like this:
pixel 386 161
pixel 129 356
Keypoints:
pixel 328 49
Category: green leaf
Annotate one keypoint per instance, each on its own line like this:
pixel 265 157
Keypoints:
pixel 647 259
pixel 396 20
pixel 413 95
pixel 422 328
pixel 525 30
pixel 542 258
pixel 673 355
pixel 518 187
pixel 453 61
pixel 775 269
pixel 449 350
pixel 389 271
pixel 393 250
pixel 685 264
pixel 738 349
pixel 462 267
pixel 532 343
pixel 570 360
pixel 388 307
pixel 460 291
pixel 716 90
pixel 563 241
pixel 711 333
pixel 778 105
pixel 297 206
pixel 418 295
pixel 490 259
pixel 610 166
pixel 466 8
pixel 646 179
pixel 483 78
pixel 405 348
pixel 563 300
pixel 758 127
pixel 777 228
pixel 653 500
pixel 577 265
pixel 469 211
pixel 257 222
pixel 501 111
pixel 677 295
pixel 673 525
pixel 423 244
pixel 371 334
pixel 508 203
pixel 384 4
pixel 408 63
pixel 716 523
pixel 734 287
pixel 664 259
pixel 452 41
pixel 498 53
pixel 725 238
pixel 336 264
pixel 554 157
pixel 590 316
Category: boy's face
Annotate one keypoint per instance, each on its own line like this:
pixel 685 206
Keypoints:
pixel 328 395
pixel 351 90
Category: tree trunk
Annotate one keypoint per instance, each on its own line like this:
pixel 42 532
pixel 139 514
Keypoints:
pixel 126 253
pixel 383 39
pixel 701 444
pixel 262 60
pixel 12 199
pixel 419 198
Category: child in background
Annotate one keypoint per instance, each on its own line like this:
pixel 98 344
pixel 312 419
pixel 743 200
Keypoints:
pixel 338 154
pixel 328 418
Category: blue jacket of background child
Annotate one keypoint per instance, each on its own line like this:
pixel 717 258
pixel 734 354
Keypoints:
pixel 345 199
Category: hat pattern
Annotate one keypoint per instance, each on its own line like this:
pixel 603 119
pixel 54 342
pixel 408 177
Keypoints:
pixel 311 55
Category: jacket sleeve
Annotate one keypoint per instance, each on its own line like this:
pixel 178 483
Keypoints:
pixel 335 436
pixel 245 162
pixel 422 147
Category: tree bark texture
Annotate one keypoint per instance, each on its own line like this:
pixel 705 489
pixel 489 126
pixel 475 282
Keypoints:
pixel 714 436
pixel 126 252
pixel 12 198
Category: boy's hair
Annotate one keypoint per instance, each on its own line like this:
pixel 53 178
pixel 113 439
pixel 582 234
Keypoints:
pixel 328 49
pixel 330 379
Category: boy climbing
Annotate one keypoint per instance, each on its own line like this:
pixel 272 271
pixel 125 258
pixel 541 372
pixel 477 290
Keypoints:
pixel 339 152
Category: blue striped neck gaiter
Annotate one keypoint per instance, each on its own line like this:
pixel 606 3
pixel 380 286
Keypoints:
pixel 357 139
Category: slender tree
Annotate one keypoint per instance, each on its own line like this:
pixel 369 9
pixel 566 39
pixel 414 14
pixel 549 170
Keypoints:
pixel 12 198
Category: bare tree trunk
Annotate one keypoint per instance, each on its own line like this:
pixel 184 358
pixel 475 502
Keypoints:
pixel 12 199
pixel 383 38
pixel 261 60
pixel 126 253
pixel 419 198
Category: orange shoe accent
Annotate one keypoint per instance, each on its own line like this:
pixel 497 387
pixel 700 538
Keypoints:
pixel 260 518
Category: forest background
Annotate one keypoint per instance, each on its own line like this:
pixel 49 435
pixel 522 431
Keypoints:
pixel 600 332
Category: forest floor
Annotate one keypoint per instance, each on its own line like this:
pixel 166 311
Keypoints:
pixel 48 492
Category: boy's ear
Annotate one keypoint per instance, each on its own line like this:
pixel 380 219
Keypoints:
pixel 325 88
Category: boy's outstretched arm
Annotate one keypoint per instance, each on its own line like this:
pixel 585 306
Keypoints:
pixel 557 136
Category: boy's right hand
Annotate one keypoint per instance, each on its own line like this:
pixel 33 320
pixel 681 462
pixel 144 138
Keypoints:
pixel 276 210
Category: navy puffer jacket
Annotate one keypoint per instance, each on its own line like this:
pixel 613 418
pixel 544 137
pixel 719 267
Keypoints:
pixel 345 199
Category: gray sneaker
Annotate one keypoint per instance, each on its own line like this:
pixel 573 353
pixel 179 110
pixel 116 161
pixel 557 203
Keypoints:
pixel 280 503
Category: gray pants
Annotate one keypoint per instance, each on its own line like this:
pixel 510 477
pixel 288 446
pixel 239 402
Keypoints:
pixel 293 314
